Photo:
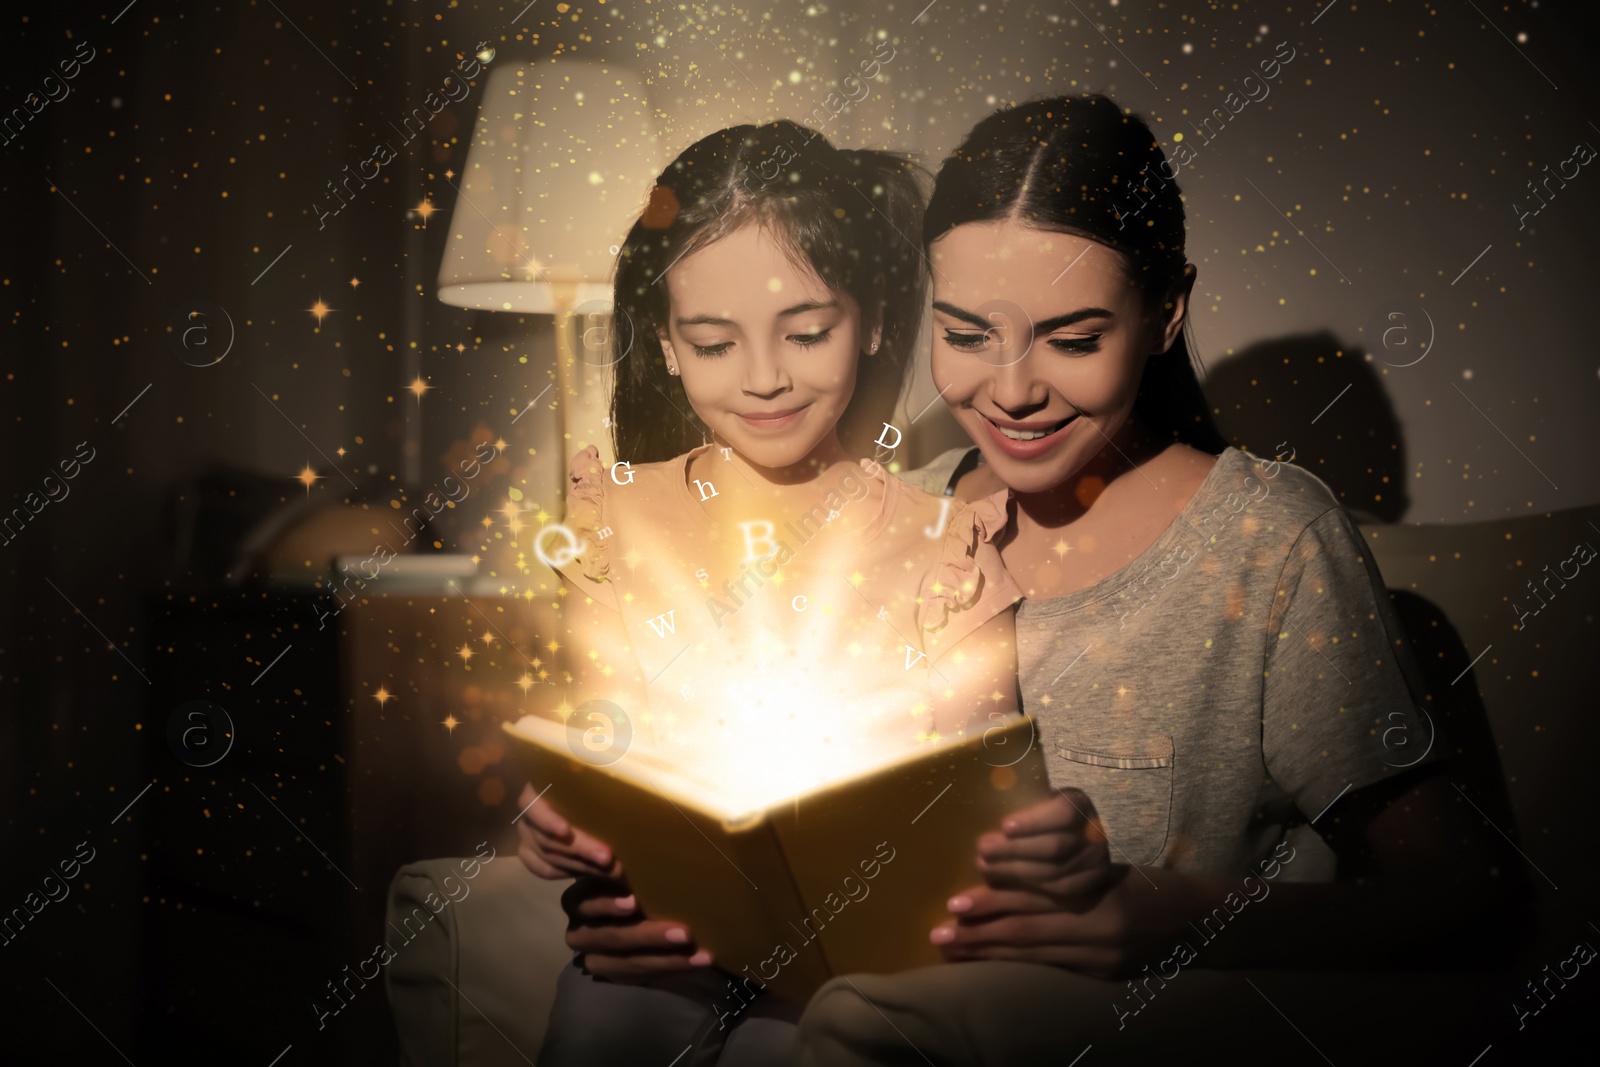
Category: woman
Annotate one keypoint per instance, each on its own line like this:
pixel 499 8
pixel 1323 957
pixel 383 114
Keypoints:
pixel 1209 653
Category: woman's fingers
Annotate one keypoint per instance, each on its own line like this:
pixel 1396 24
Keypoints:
pixel 1052 882
pixel 1069 810
pixel 983 903
pixel 1060 846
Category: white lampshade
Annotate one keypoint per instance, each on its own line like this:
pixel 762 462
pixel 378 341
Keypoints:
pixel 563 154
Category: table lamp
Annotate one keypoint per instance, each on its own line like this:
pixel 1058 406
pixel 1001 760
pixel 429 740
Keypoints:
pixel 562 156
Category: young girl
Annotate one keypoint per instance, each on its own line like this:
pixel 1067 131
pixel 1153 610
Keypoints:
pixel 754 603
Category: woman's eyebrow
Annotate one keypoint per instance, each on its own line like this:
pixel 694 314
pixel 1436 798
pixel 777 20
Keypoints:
pixel 1043 326
pixel 703 320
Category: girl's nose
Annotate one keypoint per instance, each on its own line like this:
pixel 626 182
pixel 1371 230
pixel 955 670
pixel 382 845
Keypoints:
pixel 764 373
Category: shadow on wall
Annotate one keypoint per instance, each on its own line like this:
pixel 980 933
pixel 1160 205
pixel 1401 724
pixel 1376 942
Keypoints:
pixel 1325 400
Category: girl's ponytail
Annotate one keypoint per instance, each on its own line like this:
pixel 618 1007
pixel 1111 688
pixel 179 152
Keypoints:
pixel 895 187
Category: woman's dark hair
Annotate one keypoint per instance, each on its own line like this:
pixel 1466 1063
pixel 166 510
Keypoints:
pixel 1082 165
pixel 851 216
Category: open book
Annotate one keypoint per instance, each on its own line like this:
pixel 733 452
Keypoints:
pixel 848 877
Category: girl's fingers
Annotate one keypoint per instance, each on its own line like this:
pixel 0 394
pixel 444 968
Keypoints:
pixel 647 937
pixel 538 865
pixel 563 861
pixel 586 854
pixel 610 906
pixel 636 968
pixel 537 812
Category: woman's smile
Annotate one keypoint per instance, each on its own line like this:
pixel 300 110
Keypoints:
pixel 1025 440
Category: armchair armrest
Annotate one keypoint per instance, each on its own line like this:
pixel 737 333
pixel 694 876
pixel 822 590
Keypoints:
pixel 472 979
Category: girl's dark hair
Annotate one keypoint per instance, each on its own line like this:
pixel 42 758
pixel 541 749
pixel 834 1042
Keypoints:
pixel 1082 165
pixel 851 216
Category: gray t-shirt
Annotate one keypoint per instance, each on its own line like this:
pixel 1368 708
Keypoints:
pixel 1230 683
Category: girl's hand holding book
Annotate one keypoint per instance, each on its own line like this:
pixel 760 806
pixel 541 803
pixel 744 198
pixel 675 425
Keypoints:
pixel 553 848
pixel 617 941
pixel 604 922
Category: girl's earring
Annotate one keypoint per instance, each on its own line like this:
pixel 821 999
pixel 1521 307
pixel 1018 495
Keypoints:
pixel 874 348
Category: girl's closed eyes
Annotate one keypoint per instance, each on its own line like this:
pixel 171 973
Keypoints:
pixel 805 340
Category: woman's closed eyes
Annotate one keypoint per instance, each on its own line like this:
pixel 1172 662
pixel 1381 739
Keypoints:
pixel 971 342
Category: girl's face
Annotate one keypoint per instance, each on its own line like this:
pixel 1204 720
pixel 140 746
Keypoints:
pixel 766 350
pixel 1039 342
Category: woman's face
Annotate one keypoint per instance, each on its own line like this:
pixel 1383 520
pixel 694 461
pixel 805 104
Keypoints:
pixel 1039 343
pixel 766 350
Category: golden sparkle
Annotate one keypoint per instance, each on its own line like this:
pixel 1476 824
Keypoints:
pixel 307 477
pixel 320 310
pixel 511 512
pixel 382 696
pixel 419 387
pixel 425 209
pixel 450 722
pixel 465 652
pixel 1062 548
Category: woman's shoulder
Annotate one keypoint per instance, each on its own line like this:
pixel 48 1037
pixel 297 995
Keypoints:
pixel 1288 490
pixel 1275 490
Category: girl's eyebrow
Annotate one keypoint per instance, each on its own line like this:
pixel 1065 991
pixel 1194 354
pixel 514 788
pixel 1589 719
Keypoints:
pixel 810 305
pixel 1043 326
pixel 713 320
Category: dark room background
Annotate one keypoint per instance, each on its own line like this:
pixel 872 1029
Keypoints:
pixel 243 376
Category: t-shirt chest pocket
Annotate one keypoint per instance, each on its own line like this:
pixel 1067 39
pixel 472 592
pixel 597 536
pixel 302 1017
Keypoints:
pixel 1131 789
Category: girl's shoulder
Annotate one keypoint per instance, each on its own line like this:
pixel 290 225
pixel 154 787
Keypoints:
pixel 597 483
